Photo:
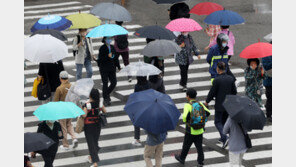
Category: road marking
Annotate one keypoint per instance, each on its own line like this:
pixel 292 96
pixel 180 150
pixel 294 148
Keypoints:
pixel 57 9
pixel 51 5
pixel 59 14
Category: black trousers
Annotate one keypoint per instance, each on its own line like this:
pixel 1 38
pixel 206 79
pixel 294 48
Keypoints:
pixel 268 105
pixel 197 140
pixel 49 155
pixel 184 74
pixel 92 133
pixel 108 76
pixel 137 133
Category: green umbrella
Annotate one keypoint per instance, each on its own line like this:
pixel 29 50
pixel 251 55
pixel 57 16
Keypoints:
pixel 83 21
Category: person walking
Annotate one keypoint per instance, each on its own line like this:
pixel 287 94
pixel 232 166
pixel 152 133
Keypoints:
pixel 184 58
pixel 92 125
pixel 192 135
pixel 51 129
pixel 66 124
pixel 223 85
pixel 156 83
pixel 237 143
pixel 254 76
pixel 121 48
pixel 106 62
pixel 50 73
pixel 212 31
pixel 267 65
pixel 84 54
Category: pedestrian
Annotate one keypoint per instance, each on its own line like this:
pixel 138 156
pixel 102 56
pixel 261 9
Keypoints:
pixel 50 73
pixel 27 161
pixel 267 65
pixel 84 54
pixel 106 62
pixel 121 48
pixel 53 130
pixel 66 124
pixel 192 135
pixel 237 143
pixel 156 83
pixel 223 85
pixel 92 125
pixel 184 58
pixel 218 53
pixel 146 58
pixel 142 84
pixel 179 10
pixel 212 31
pixel 154 148
pixel 254 76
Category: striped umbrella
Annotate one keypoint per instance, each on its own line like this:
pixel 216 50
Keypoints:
pixel 51 22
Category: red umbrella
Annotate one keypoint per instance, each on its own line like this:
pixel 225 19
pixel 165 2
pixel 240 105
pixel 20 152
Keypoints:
pixel 257 50
pixel 205 8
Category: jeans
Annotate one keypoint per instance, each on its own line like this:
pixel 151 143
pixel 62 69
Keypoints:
pixel 184 74
pixel 153 151
pixel 108 76
pixel 220 119
pixel 88 67
pixel 268 105
pixel 197 140
pixel 92 133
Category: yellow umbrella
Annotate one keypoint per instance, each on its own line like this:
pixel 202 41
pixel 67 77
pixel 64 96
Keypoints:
pixel 83 20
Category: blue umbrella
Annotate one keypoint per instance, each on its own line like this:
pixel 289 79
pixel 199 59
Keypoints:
pixel 224 17
pixel 51 22
pixel 107 30
pixel 58 110
pixel 153 111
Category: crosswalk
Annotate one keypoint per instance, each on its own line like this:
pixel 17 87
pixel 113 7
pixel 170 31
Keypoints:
pixel 116 137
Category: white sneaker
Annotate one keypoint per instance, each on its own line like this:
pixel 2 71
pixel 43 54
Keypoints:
pixel 88 159
pixel 64 148
pixel 136 143
pixel 75 143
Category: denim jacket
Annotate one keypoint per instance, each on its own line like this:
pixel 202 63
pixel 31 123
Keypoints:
pixel 153 139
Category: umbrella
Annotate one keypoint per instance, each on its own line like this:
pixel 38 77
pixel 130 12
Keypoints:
pixel 83 21
pixel 55 33
pixel 205 8
pixel 244 110
pixel 153 111
pixel 161 48
pixel 83 87
pixel 111 11
pixel 72 96
pixel 257 50
pixel 51 22
pixel 224 17
pixel 107 30
pixel 58 110
pixel 44 49
pixel 268 37
pixel 36 142
pixel 167 1
pixel 140 69
pixel 183 25
pixel 155 32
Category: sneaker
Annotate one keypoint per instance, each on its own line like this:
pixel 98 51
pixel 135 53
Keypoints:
pixel 64 148
pixel 177 157
pixel 88 159
pixel 94 166
pixel 225 144
pixel 184 88
pixel 200 165
pixel 220 141
pixel 130 79
pixel 75 143
pixel 136 143
pixel 106 103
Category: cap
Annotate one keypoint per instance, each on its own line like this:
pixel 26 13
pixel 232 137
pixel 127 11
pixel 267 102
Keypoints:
pixel 64 75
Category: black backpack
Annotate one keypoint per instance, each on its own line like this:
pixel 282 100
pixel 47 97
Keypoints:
pixel 122 41
pixel 78 41
pixel 44 89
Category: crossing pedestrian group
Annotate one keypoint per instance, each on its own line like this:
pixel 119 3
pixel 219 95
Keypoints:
pixel 149 107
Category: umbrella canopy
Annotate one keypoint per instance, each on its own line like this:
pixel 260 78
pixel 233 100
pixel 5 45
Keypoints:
pixel 167 1
pixel 58 110
pixel 36 142
pixel 83 21
pixel 244 110
pixel 51 22
pixel 44 49
pixel 153 111
pixel 83 87
pixel 205 8
pixel 107 30
pixel 72 96
pixel 139 69
pixel 161 48
pixel 111 11
pixel 224 17
pixel 268 37
pixel 55 33
pixel 257 50
pixel 155 32
pixel 183 25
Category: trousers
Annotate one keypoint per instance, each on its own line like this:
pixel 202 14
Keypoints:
pixel 220 119
pixel 67 128
pixel 188 141
pixel 268 105
pixel 92 133
pixel 184 74
pixel 108 76
pixel 153 151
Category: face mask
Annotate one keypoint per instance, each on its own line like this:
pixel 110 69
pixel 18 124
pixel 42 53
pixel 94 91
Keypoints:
pixel 185 34
pixel 108 40
pixel 224 45
pixel 51 121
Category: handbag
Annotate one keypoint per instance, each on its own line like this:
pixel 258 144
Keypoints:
pixel 44 90
pixel 35 85
pixel 247 138
pixel 79 125
pixel 103 119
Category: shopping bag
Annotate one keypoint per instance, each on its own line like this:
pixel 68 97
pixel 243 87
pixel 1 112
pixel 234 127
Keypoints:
pixel 35 85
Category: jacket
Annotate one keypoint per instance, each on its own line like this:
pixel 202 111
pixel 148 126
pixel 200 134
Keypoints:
pixel 62 91
pixel 267 65
pixel 223 85
pixel 139 88
pixel 80 56
pixel 104 62
pixel 153 140
pixel 116 47
pixel 53 73
pixel 185 56
pixel 231 41
pixel 215 55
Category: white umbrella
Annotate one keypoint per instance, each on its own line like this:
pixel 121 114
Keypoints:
pixel 44 49
pixel 83 87
pixel 268 37
pixel 139 69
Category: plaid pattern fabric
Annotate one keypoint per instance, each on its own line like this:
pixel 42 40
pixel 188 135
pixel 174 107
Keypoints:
pixel 212 31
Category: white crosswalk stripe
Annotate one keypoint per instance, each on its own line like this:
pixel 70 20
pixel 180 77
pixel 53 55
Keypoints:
pixel 116 138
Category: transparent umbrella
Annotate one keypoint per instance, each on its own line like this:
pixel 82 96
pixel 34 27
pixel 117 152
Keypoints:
pixel 140 69
pixel 83 87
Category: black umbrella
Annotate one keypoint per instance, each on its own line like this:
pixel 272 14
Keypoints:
pixel 155 32
pixel 36 142
pixel 167 1
pixel 244 110
pixel 55 33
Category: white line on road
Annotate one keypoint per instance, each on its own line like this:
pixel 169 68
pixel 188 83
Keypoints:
pixel 51 5
pixel 57 9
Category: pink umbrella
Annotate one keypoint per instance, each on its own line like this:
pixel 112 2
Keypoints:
pixel 183 25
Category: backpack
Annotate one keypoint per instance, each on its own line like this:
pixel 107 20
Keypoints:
pixel 122 42
pixel 198 116
pixel 78 41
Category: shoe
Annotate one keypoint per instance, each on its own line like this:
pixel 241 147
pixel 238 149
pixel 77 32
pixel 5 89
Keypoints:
pixel 130 79
pixel 225 144
pixel 94 166
pixel 177 157
pixel 184 88
pixel 109 99
pixel 200 165
pixel 88 159
pixel 136 143
pixel 220 141
pixel 64 148
pixel 75 143
pixel 106 102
